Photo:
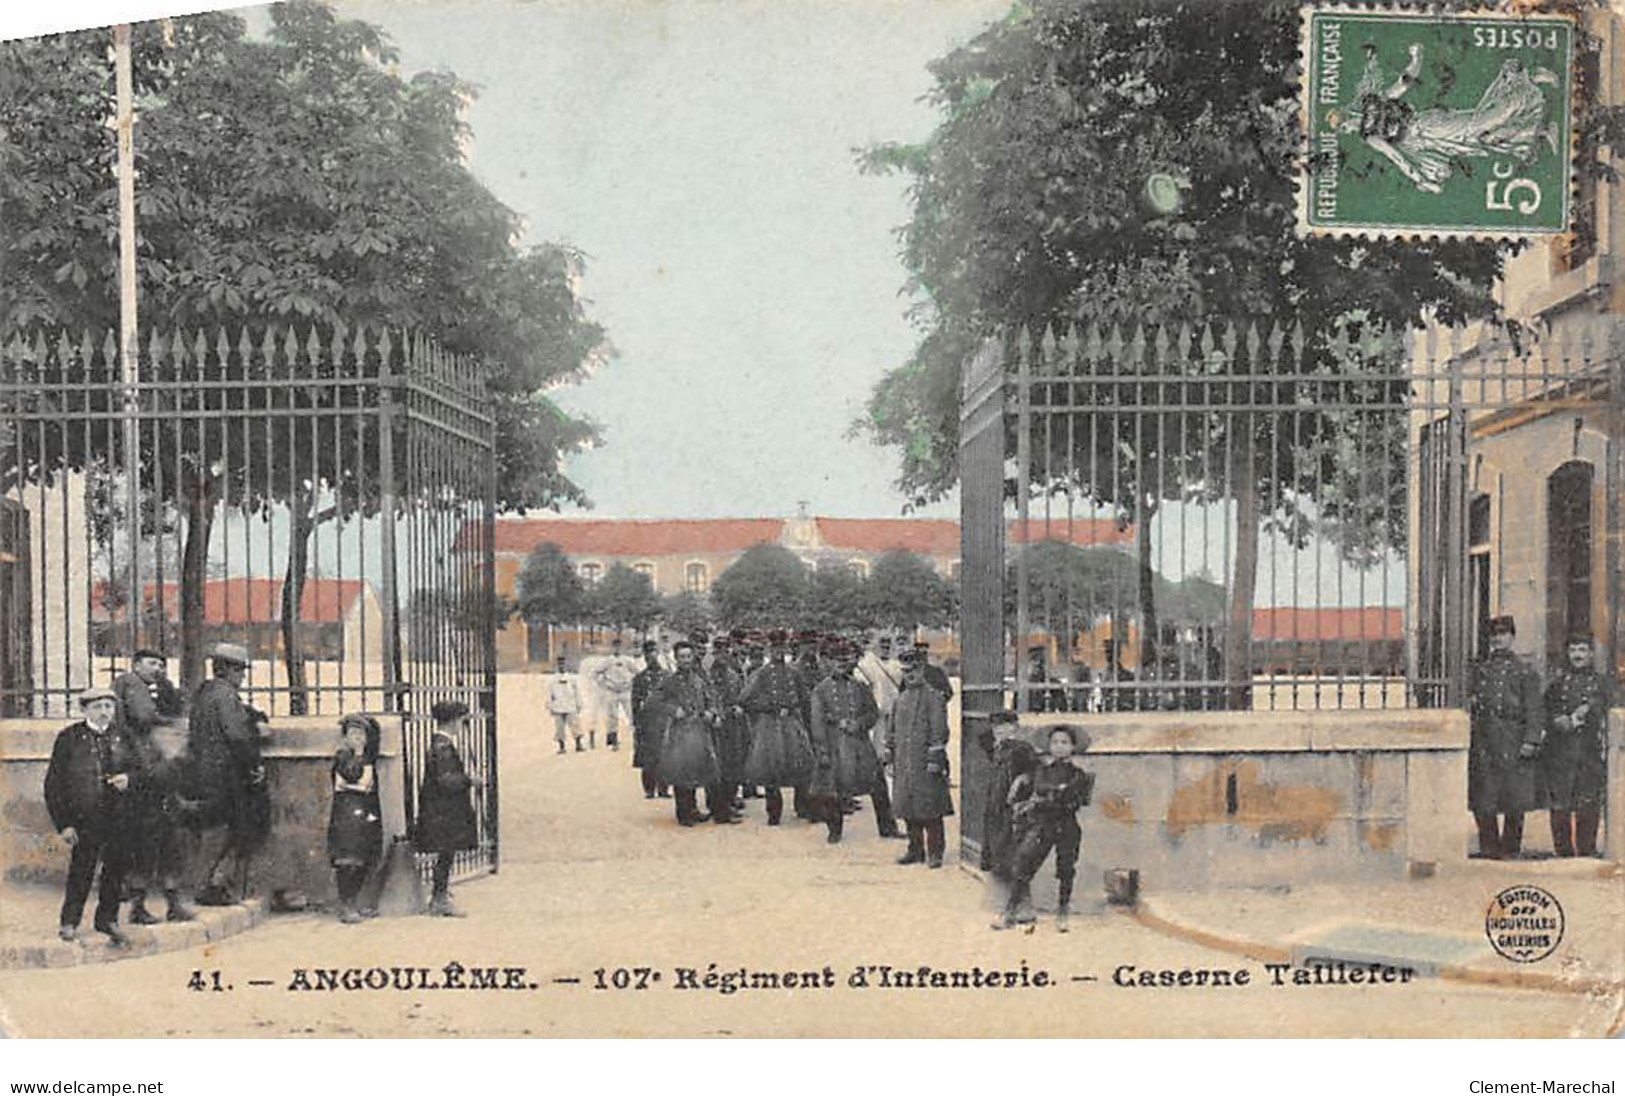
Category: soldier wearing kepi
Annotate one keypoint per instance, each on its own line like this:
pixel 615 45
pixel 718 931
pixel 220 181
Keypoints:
pixel 614 681
pixel 1507 727
pixel 150 710
pixel 917 750
pixel 780 754
pixel 1574 758
pixel 843 712
pixel 688 756
pixel 87 793
pixel 732 736
pixel 648 722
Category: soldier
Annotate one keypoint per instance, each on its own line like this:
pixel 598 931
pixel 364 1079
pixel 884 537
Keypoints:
pixel 1574 758
pixel 780 753
pixel 224 740
pixel 732 735
pixel 810 672
pixel 648 722
pixel 935 676
pixel 843 712
pixel 688 756
pixel 564 703
pixel 87 789
pixel 1506 735
pixel 917 750
pixel 150 709
pixel 614 681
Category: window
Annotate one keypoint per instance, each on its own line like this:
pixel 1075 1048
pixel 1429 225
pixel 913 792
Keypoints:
pixel 646 569
pixel 859 567
pixel 591 573
pixel 696 578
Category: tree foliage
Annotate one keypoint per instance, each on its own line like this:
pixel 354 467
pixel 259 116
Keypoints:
pixel 623 599
pixel 766 587
pixel 548 590
pixel 686 612
pixel 904 591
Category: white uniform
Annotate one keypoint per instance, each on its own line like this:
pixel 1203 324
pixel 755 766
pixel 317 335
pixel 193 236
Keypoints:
pixel 564 702
pixel 614 680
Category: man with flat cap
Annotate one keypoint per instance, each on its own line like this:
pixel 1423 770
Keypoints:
pixel 1574 757
pixel 225 744
pixel 648 722
pixel 1507 728
pixel 87 794
pixel 150 710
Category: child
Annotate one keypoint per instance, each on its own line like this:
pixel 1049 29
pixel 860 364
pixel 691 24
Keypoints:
pixel 355 830
pixel 1046 802
pixel 445 822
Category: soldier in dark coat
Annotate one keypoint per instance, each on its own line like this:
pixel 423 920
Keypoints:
pixel 688 755
pixel 150 710
pixel 845 763
pixel 225 745
pixel 1574 757
pixel 917 751
pixel 355 823
pixel 648 722
pixel 1046 802
pixel 1507 728
pixel 935 676
pixel 87 794
pixel 733 733
pixel 780 752
pixel 445 823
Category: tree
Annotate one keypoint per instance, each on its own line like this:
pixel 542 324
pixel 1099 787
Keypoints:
pixel 1026 214
pixel 905 592
pixel 548 590
pixel 766 587
pixel 686 612
pixel 295 179
pixel 623 599
pixel 837 599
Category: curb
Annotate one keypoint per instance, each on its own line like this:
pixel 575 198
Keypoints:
pixel 1270 953
pixel 213 924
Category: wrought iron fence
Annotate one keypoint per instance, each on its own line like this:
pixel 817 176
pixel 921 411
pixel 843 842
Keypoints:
pixel 1252 516
pixel 294 492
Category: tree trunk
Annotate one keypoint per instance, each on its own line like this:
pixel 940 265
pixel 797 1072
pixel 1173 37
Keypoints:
pixel 1238 632
pixel 200 498
pixel 1145 581
pixel 301 524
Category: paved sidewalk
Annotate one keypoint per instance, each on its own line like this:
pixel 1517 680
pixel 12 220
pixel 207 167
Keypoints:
pixel 28 917
pixel 1435 925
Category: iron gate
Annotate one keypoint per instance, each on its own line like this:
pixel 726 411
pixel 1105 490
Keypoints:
pixel 323 498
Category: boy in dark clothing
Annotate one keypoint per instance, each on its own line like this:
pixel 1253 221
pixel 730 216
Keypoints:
pixel 1046 804
pixel 87 792
pixel 445 822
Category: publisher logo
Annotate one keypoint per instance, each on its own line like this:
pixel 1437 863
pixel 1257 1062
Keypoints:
pixel 1524 923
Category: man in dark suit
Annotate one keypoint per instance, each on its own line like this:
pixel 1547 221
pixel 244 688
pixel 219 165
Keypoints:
pixel 149 710
pixel 87 793
pixel 225 744
pixel 1506 732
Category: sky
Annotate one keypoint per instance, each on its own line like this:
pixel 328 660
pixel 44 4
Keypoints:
pixel 701 155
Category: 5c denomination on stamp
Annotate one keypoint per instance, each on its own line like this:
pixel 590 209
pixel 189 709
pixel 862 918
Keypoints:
pixel 1436 124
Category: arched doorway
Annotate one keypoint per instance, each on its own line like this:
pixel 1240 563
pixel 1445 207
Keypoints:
pixel 1568 555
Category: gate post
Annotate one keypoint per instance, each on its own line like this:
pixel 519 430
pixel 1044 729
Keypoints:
pixel 387 413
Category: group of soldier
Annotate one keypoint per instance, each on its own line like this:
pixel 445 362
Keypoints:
pixel 133 785
pixel 1534 749
pixel 831 719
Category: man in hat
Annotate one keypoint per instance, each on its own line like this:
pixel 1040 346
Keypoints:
pixel 916 748
pixel 1507 728
pixel 87 794
pixel 843 713
pixel 564 703
pixel 445 823
pixel 648 722
pixel 614 680
pixel 810 672
pixel 150 711
pixel 225 746
pixel 780 754
pixel 1574 758
pixel 688 756
pixel 733 731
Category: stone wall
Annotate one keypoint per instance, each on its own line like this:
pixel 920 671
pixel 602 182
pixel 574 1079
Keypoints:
pixel 298 757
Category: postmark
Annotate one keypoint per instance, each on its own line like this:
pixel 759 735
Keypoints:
pixel 1524 923
pixel 1436 124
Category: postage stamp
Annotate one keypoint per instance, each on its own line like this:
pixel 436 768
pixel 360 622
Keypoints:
pixel 1439 124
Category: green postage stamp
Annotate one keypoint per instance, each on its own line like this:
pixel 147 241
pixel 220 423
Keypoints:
pixel 1439 124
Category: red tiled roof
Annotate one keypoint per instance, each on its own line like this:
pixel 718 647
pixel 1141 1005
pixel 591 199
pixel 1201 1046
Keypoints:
pixel 249 600
pixel 931 537
pixel 1088 532
pixel 1290 623
pixel 608 537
